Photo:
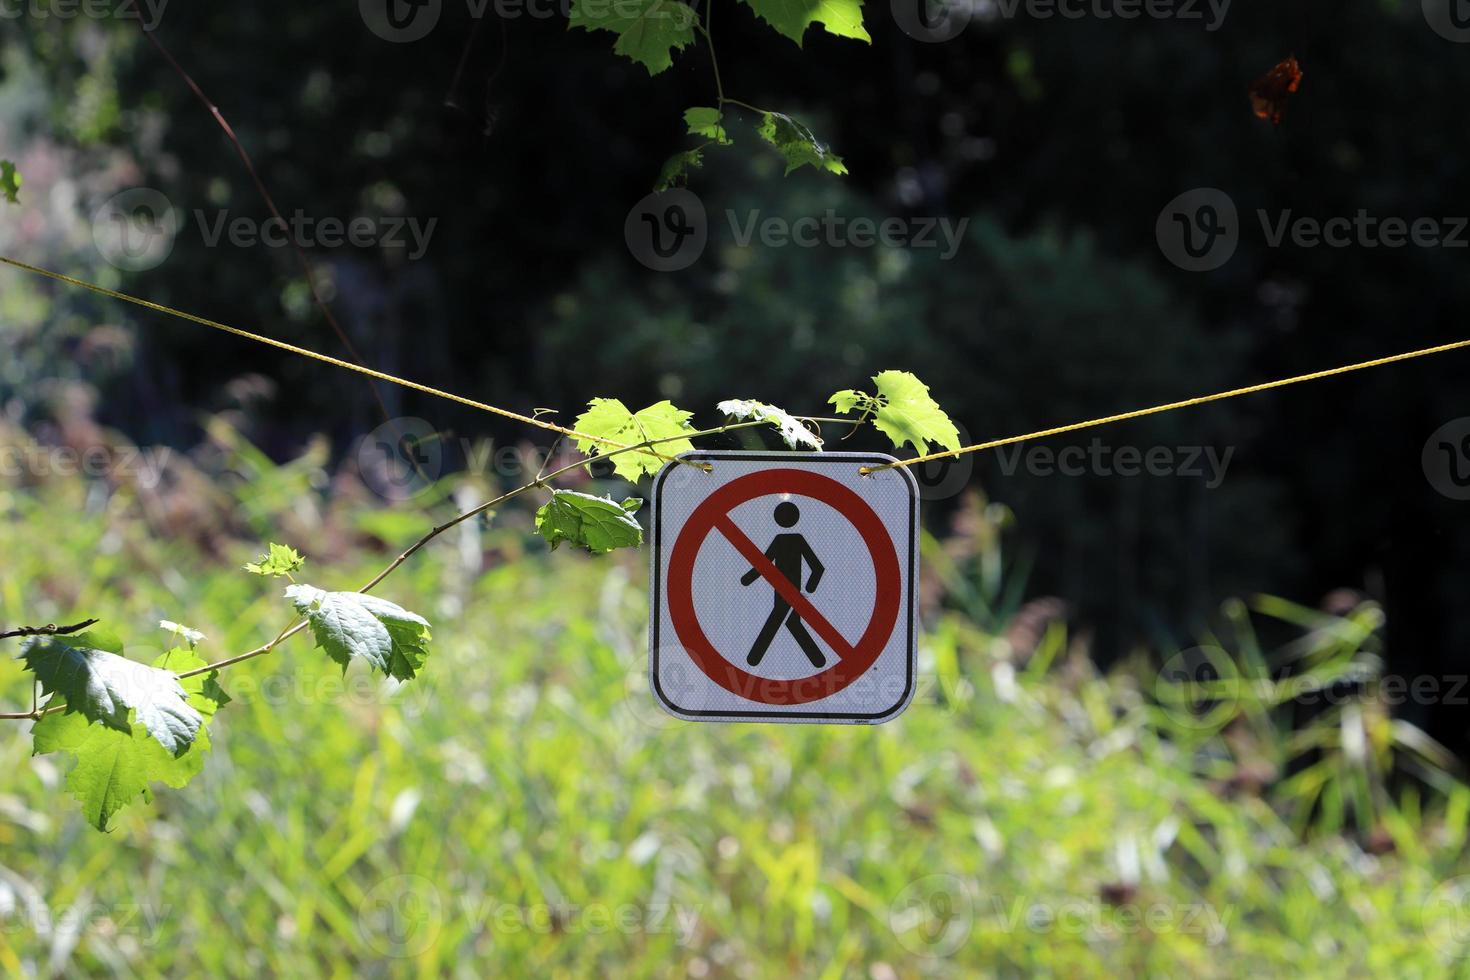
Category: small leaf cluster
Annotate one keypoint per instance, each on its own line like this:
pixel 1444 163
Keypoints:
pixel 279 560
pixel 130 725
pixel 127 724
pixel 651 31
pixel 794 140
pixel 902 409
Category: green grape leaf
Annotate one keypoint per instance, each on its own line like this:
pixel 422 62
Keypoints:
pixel 793 431
pixel 595 523
pixel 908 413
pixel 676 168
pixel 847 399
pixel 792 17
pixel 103 686
pixel 211 690
pixel 188 634
pixel 280 560
pixel 903 410
pixel 115 767
pixel 798 144
pixel 609 418
pixel 648 31
pixel 9 182
pixel 351 625
pixel 706 121
pixel 632 504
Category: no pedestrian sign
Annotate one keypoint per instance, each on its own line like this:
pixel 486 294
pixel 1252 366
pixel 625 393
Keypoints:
pixel 783 588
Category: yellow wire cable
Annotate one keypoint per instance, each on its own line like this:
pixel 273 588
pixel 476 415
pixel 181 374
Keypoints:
pixel 1186 403
pixel 324 358
pixel 978 447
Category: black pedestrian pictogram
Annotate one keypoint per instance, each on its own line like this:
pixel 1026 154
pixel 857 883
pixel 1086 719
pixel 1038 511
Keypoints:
pixel 788 552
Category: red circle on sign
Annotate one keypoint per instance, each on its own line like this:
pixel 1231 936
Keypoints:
pixel 886 602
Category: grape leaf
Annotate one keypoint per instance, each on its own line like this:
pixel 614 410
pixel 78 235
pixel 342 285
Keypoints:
pixel 648 31
pixel 115 767
pixel 103 686
pixel 792 17
pixel 676 168
pixel 903 410
pixel 706 121
pixel 608 418
pixel 9 182
pixel 595 523
pixel 798 144
pixel 189 635
pixel 910 414
pixel 280 560
pixel 351 624
pixel 793 430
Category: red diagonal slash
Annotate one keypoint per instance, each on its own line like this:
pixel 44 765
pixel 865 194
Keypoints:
pixel 784 587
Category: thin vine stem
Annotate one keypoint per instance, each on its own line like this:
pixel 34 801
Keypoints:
pixel 709 41
pixel 50 629
pixel 541 482
pixel 745 105
pixel 706 30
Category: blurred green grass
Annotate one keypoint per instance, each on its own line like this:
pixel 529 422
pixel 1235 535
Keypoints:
pixel 524 808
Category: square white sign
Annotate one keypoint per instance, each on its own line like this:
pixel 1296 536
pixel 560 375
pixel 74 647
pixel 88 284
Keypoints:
pixel 783 588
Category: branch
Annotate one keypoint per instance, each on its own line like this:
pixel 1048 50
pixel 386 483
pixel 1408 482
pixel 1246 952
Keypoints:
pixel 540 482
pixel 50 629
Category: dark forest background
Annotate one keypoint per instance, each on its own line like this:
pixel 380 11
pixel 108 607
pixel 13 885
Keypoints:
pixel 1061 140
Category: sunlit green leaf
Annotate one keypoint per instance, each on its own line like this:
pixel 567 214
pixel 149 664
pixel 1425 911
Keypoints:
pixel 843 18
pixel 793 431
pixel 798 144
pixel 595 523
pixel 706 121
pixel 903 410
pixel 609 418
pixel 104 687
pixel 676 168
pixel 115 767
pixel 649 31
pixel 352 625
pixel 280 560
